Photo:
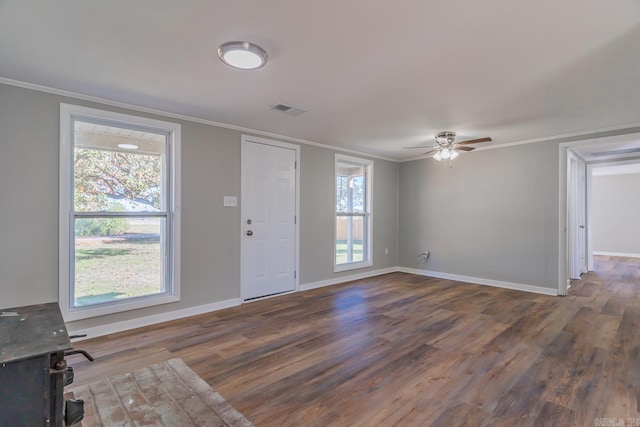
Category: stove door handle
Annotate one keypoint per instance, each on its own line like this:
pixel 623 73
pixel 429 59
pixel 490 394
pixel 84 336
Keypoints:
pixel 82 352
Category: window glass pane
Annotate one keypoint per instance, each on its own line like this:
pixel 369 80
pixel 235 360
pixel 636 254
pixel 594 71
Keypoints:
pixel 341 193
pixel 117 169
pixel 349 239
pixel 357 193
pixel 350 188
pixel 118 258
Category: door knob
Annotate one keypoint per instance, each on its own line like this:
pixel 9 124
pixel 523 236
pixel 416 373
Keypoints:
pixel 582 226
pixel 249 233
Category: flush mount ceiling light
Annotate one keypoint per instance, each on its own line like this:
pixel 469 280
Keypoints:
pixel 242 55
pixel 128 146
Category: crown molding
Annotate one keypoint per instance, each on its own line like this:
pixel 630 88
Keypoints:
pixel 112 103
pixel 568 137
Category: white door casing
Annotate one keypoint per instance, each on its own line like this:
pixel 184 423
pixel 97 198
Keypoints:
pixel 582 216
pixel 269 212
pixel 576 212
pixel 572 162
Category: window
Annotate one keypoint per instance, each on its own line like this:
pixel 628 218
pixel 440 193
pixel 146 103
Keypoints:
pixel 353 213
pixel 119 227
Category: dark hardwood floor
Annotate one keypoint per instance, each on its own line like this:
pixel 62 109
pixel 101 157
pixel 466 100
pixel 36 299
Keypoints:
pixel 406 350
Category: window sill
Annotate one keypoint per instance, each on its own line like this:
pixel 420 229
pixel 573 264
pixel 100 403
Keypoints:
pixel 79 313
pixel 352 266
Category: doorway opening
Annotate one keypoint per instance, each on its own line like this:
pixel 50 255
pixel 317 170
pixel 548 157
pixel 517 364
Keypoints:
pixel 594 212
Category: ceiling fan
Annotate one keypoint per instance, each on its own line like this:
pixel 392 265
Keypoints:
pixel 447 148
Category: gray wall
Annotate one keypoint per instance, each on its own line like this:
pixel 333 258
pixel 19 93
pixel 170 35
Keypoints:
pixel 616 208
pixel 317 212
pixel 493 215
pixel 29 140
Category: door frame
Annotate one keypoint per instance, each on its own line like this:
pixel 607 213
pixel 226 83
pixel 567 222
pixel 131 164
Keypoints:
pixel 249 139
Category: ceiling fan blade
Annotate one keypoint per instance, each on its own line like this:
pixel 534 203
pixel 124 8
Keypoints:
pixel 475 141
pixel 464 148
pixel 429 152
pixel 422 146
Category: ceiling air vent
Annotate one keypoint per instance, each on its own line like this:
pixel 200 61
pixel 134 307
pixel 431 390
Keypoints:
pixel 287 109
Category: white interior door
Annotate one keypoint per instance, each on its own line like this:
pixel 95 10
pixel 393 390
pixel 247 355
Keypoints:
pixel 268 219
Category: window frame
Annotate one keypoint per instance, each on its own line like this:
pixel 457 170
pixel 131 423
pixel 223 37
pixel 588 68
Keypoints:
pixel 367 249
pixel 67 215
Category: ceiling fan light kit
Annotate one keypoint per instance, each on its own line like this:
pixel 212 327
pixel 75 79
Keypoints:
pixel 446 147
pixel 446 154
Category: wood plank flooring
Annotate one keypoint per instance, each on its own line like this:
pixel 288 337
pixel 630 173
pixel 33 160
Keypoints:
pixel 407 350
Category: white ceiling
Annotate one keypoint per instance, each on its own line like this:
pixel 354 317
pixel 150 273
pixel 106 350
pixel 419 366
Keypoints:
pixel 373 76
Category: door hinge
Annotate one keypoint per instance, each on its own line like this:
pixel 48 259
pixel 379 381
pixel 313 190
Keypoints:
pixel 295 274
pixel 295 219
pixel 295 164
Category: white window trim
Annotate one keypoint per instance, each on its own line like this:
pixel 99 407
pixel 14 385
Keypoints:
pixel 368 262
pixel 67 113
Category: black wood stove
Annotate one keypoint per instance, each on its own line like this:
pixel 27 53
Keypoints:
pixel 33 369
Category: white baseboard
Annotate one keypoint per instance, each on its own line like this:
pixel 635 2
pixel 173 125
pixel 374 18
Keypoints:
pixel 126 325
pixel 621 254
pixel 342 279
pixel 480 281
